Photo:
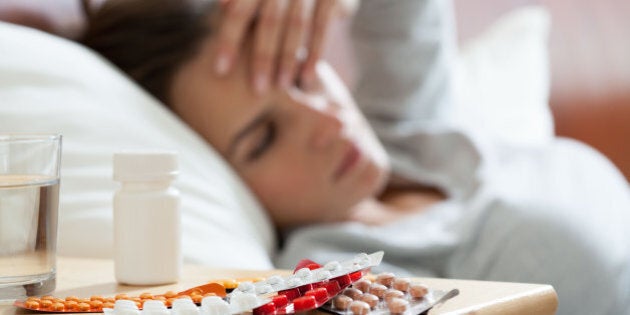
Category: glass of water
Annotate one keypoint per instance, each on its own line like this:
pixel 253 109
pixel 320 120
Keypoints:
pixel 29 199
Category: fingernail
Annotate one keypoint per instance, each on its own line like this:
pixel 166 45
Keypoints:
pixel 223 63
pixel 260 83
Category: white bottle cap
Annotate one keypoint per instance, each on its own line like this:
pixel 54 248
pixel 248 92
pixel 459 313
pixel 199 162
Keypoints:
pixel 145 165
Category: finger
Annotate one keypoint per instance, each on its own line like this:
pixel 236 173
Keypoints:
pixel 295 31
pixel 237 16
pixel 270 22
pixel 324 11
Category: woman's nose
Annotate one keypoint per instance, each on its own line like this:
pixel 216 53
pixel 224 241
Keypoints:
pixel 327 126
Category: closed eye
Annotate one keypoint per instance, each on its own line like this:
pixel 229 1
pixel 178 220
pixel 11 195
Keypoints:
pixel 263 143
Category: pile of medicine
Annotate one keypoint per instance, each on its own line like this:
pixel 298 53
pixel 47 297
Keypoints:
pixel 338 287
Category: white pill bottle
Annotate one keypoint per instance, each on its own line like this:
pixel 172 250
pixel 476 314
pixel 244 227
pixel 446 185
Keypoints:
pixel 147 221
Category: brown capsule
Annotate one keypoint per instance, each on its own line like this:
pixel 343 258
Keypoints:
pixel 359 308
pixel 352 293
pixel 401 284
pixel 397 305
pixel 370 299
pixel 418 290
pixel 386 279
pixel 341 302
pixel 362 285
pixel 377 289
pixel 392 293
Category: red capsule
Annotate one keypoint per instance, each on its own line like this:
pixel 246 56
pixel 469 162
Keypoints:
pixel 343 281
pixel 356 276
pixel 290 294
pixel 332 287
pixel 280 301
pixel 320 294
pixel 267 309
pixel 304 303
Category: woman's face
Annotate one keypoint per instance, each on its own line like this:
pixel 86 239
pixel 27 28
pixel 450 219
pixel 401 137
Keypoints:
pixel 308 156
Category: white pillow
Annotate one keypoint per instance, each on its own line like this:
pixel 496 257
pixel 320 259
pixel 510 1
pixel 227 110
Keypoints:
pixel 503 79
pixel 48 84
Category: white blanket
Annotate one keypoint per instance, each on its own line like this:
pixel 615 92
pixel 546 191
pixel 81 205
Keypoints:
pixel 542 211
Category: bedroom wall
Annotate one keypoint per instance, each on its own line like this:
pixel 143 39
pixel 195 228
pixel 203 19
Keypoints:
pixel 590 64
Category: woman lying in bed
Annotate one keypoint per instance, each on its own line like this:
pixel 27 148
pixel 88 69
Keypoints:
pixel 492 211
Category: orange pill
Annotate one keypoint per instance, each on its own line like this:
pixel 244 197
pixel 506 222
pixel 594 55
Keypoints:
pixel 32 304
pixel 58 300
pixel 47 297
pixel 170 294
pixel 229 283
pixel 109 299
pixel 121 296
pixel 46 304
pixel 71 305
pixel 136 299
pixel 97 298
pixel 196 298
pixel 83 307
pixel 85 300
pixel 96 304
pixel 108 305
pixel 169 302
pixel 146 296
pixel 72 298
pixel 138 304
pixel 57 307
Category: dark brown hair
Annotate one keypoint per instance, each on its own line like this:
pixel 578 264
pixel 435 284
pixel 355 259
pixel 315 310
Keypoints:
pixel 149 39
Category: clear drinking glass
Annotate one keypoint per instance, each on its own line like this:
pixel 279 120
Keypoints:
pixel 29 199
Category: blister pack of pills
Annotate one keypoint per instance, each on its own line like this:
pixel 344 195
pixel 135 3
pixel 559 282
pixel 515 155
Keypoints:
pixel 339 287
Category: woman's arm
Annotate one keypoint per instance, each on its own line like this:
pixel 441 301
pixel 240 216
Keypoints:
pixel 406 51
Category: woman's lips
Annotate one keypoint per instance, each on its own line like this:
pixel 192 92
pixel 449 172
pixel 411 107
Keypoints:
pixel 349 161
